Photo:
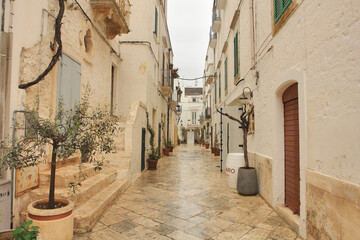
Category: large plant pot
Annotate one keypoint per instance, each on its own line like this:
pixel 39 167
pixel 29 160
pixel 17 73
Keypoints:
pixel 54 224
pixel 5 235
pixel 171 149
pixel 212 150
pixel 166 151
pixel 206 145
pixel 152 164
pixel 247 181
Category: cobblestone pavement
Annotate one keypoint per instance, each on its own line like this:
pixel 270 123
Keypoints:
pixel 188 198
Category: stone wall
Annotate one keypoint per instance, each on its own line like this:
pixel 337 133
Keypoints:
pixel 263 167
pixel 333 207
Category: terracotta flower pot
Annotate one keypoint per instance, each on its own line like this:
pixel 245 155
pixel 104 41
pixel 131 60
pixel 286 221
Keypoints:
pixel 166 151
pixel 212 150
pixel 217 152
pixel 152 164
pixel 171 149
pixel 206 145
pixel 54 224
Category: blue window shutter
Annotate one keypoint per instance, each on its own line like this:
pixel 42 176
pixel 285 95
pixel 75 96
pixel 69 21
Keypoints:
pixel 69 82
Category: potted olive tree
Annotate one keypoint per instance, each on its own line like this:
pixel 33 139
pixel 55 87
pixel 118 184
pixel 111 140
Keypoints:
pixel 247 177
pixel 154 153
pixel 65 131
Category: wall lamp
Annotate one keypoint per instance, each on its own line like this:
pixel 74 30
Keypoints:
pixel 243 94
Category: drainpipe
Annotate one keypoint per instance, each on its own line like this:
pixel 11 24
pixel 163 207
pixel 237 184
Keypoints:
pixel 252 36
pixel 3 16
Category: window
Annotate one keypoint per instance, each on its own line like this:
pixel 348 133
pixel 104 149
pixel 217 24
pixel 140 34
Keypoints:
pixel 156 21
pixel 280 7
pixel 219 87
pixel 236 55
pixel 226 76
pixel 193 117
pixel 69 82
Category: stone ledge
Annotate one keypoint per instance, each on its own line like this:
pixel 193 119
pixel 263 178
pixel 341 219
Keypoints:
pixel 346 190
pixel 290 218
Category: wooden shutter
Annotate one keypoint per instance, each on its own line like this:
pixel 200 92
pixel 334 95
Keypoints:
pixel 291 141
pixel 226 77
pixel 236 56
pixel 156 21
pixel 69 82
pixel 220 86
pixel 280 7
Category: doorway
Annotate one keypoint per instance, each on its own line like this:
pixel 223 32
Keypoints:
pixel 190 136
pixel 291 148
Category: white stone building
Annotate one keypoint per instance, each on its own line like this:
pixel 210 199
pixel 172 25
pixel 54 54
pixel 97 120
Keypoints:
pixel 298 58
pixel 191 110
pixel 123 51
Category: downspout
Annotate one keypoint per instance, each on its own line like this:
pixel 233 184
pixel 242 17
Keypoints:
pixel 252 32
pixel 3 15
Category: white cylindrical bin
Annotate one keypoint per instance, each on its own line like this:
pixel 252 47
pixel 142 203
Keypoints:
pixel 233 162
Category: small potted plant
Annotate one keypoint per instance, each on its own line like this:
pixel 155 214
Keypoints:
pixel 154 153
pixel 216 150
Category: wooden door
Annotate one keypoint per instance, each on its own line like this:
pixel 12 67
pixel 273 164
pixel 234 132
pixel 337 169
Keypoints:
pixel 291 141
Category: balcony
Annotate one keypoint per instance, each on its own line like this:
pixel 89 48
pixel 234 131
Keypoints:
pixel 166 86
pixel 114 15
pixel 220 4
pixel 174 100
pixel 213 39
pixel 207 113
pixel 216 20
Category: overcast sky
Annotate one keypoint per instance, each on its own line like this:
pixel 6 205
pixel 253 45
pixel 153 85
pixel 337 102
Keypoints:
pixel 189 24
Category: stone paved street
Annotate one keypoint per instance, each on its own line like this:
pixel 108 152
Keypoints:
pixel 188 198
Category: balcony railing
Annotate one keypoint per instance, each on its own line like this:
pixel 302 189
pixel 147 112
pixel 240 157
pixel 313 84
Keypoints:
pixel 216 20
pixel 213 38
pixel 114 15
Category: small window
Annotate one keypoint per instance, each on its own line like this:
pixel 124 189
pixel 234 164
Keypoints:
pixel 156 22
pixel 194 99
pixel 280 7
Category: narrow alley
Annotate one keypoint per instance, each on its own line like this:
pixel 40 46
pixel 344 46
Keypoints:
pixel 188 198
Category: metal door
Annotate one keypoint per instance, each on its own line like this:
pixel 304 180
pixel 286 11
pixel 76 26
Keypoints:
pixel 143 134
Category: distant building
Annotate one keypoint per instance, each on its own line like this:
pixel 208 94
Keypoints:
pixel 191 106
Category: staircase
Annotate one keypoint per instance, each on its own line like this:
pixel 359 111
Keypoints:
pixel 98 190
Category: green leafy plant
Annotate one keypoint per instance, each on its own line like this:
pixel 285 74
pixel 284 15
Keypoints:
pixel 25 232
pixel 154 153
pixel 67 131
pixel 216 142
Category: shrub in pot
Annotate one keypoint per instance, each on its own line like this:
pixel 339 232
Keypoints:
pixel 247 177
pixel 66 131
pixel 154 153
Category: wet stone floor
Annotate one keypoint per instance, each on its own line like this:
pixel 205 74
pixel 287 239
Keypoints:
pixel 188 198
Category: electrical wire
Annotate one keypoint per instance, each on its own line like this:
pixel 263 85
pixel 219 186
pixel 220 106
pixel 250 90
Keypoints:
pixel 193 79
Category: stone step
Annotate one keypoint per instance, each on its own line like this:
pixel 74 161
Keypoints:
pixel 89 213
pixel 89 187
pixel 118 162
pixel 67 174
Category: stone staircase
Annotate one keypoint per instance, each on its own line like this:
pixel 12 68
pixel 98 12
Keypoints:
pixel 98 189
